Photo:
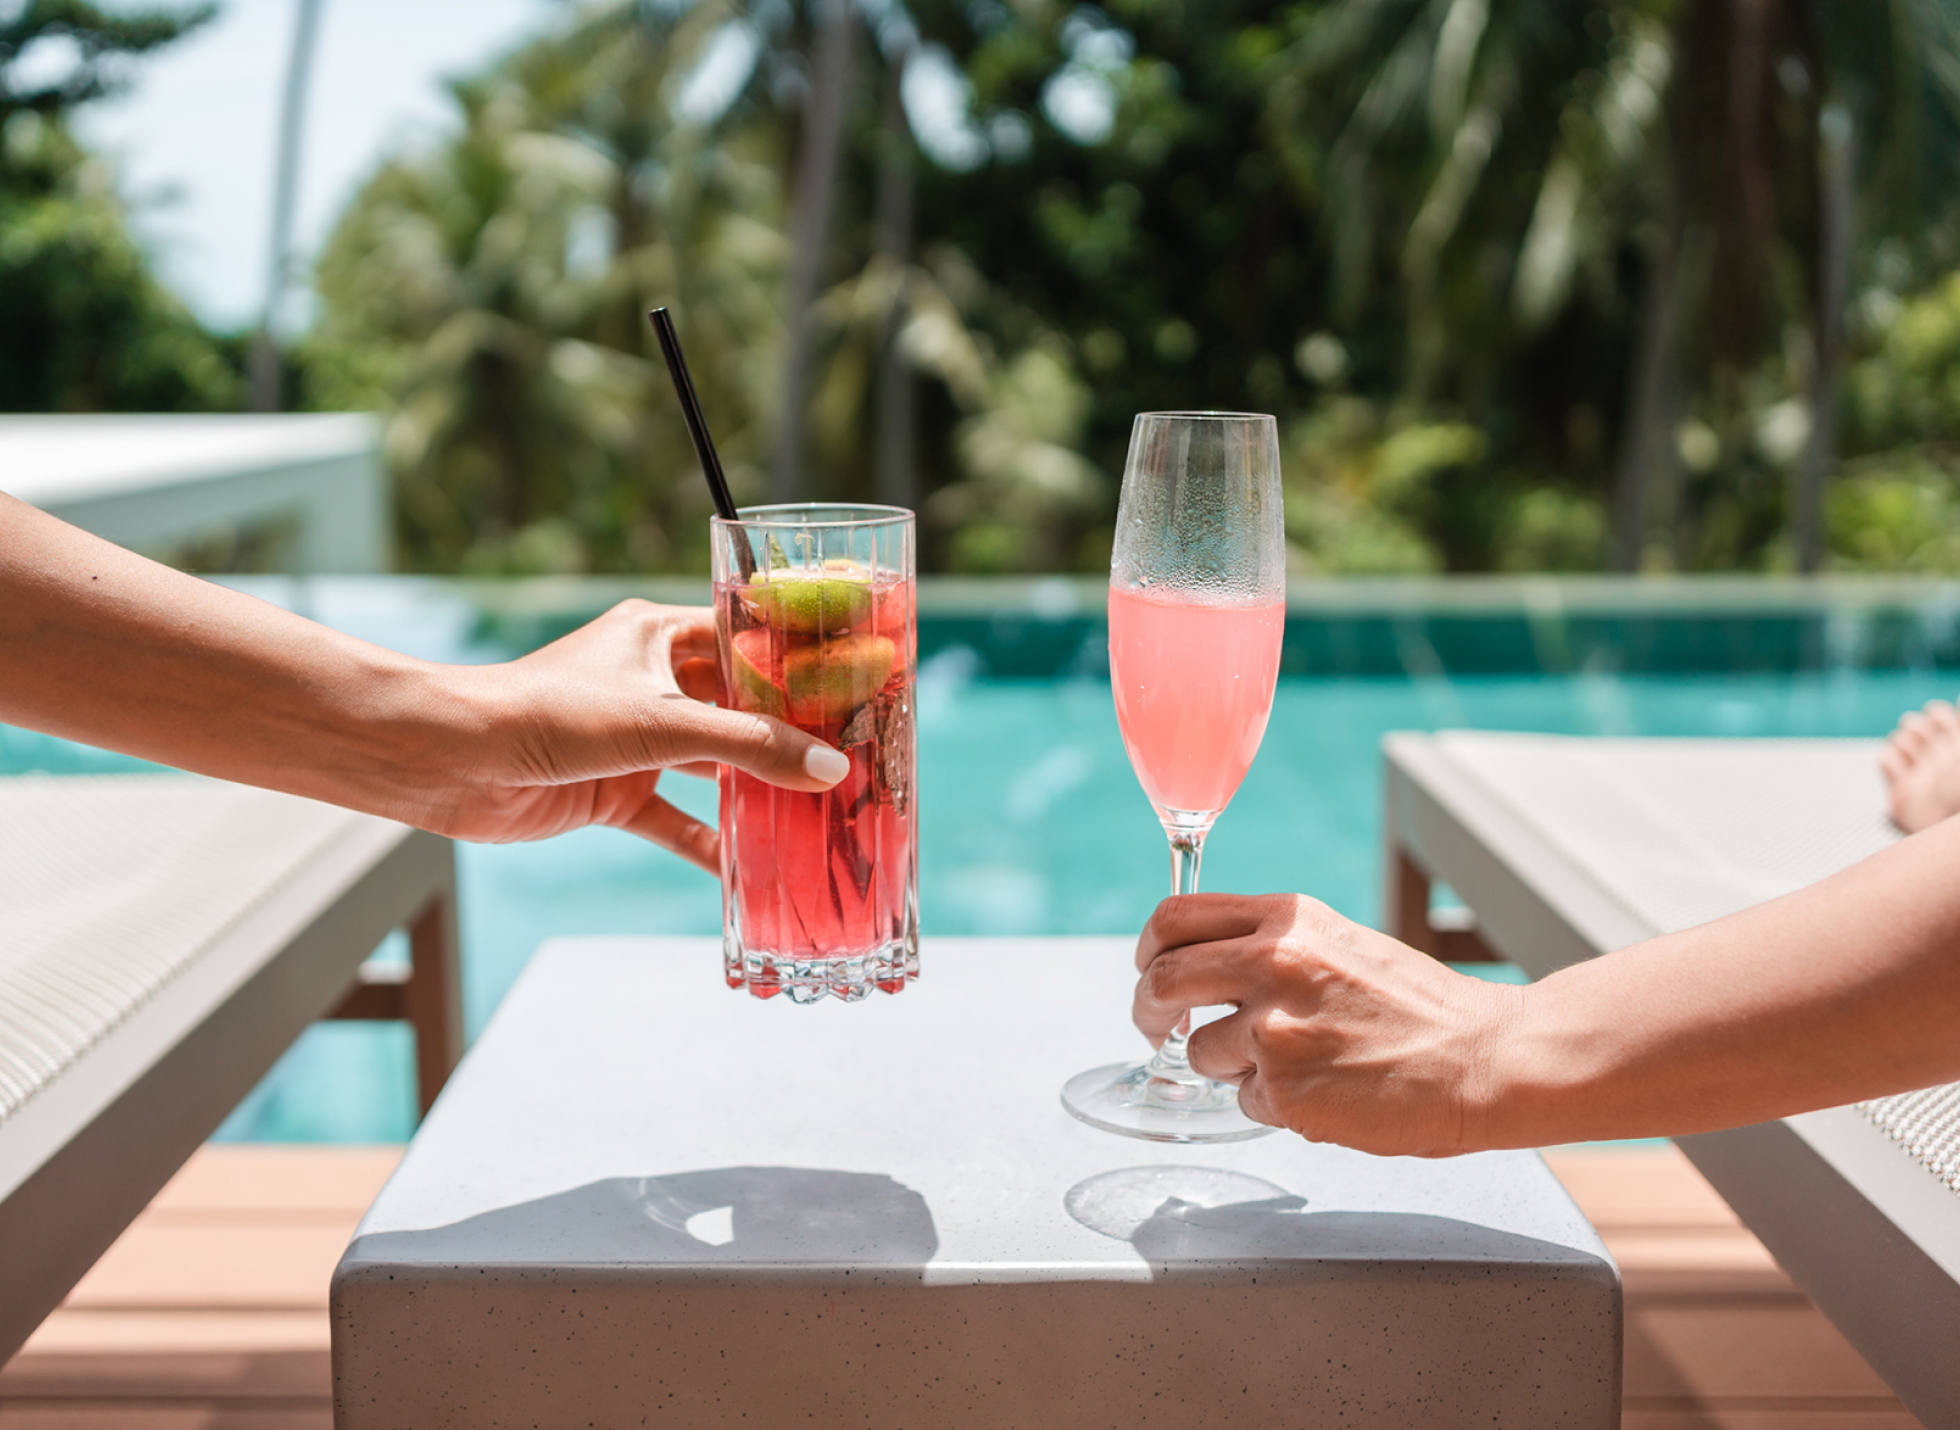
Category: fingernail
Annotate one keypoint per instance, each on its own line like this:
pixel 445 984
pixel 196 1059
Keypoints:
pixel 820 762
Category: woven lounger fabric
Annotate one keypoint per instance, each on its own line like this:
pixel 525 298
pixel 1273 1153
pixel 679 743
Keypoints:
pixel 111 885
pixel 1678 832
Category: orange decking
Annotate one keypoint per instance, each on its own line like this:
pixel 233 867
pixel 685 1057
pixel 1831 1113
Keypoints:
pixel 211 1312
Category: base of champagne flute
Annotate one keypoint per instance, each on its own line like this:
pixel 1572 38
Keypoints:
pixel 1126 1098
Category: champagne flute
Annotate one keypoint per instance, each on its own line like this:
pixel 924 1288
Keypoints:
pixel 1197 609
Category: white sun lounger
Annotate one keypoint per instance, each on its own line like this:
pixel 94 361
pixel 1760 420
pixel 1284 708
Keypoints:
pixel 1565 848
pixel 163 939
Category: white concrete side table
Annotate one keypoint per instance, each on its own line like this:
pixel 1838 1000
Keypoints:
pixel 647 1197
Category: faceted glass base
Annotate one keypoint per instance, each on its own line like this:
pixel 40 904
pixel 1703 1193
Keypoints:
pixel 886 969
pixel 1127 1098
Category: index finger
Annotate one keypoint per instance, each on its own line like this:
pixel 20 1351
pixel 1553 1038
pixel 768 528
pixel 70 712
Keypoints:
pixel 1197 918
pixel 689 631
pixel 1195 975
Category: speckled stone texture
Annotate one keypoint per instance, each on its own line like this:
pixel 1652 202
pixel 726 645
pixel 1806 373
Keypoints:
pixel 645 1199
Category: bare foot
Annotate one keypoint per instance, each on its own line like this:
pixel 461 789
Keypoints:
pixel 1922 766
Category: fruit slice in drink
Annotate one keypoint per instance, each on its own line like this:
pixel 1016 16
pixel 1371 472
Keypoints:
pixel 813 683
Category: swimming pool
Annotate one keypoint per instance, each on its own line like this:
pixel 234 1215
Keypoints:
pixel 1030 819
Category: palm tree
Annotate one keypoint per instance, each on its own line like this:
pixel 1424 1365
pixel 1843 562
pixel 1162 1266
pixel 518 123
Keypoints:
pixel 493 300
pixel 266 376
pixel 819 153
pixel 1702 147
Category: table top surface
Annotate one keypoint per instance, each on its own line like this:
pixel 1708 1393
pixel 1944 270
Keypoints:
pixel 625 1109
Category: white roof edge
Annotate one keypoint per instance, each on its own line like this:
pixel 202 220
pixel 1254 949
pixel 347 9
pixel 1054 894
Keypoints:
pixel 49 459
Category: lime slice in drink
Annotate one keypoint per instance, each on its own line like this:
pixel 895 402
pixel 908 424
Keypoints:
pixel 833 599
pixel 754 691
pixel 826 680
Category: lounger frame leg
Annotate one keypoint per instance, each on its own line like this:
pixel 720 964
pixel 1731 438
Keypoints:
pixel 1450 935
pixel 433 999
pixel 1407 896
pixel 428 994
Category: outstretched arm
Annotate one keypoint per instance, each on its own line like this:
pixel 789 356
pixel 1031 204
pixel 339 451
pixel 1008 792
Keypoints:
pixel 101 646
pixel 1845 990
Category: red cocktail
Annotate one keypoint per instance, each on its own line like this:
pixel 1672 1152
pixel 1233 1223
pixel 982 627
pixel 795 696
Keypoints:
pixel 813 611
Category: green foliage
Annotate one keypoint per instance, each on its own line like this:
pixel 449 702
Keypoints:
pixel 87 327
pixel 491 298
pixel 1908 389
pixel 1548 529
pixel 1898 514
pixel 1897 506
pixel 1428 234
pixel 99 39
pixel 1359 482
pixel 1173 251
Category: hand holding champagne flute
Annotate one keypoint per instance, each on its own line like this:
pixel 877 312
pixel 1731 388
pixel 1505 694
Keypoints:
pixel 1197 610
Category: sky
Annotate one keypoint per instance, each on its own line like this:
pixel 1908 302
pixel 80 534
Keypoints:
pixel 194 136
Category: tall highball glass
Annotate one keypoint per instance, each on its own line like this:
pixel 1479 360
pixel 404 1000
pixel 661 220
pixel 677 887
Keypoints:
pixel 815 626
pixel 1197 609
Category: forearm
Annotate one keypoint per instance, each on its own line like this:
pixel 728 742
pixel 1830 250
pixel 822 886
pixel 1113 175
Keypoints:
pixel 1845 990
pixel 101 646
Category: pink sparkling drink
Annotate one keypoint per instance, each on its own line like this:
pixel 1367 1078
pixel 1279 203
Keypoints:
pixel 1193 683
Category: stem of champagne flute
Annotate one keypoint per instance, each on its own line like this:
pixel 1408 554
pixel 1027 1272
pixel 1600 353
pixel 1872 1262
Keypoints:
pixel 1187 850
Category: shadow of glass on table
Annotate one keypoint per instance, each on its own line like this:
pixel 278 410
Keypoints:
pixel 1197 1221
pixel 724 1215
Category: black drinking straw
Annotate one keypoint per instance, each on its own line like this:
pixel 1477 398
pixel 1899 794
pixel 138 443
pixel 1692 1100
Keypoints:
pixel 697 428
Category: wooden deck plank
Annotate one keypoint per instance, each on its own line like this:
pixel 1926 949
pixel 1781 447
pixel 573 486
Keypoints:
pixel 1668 1228
pixel 161 1415
pixel 210 1312
pixel 1718 1337
pixel 1768 1418
pixel 272 1178
pixel 263 1264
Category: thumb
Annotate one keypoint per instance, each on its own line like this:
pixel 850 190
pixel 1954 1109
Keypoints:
pixel 760 744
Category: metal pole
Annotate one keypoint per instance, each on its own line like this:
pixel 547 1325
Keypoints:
pixel 896 425
pixel 266 367
pixel 816 183
pixel 1835 159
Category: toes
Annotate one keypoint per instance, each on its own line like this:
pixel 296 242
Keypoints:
pixel 1898 756
pixel 1943 720
pixel 1912 734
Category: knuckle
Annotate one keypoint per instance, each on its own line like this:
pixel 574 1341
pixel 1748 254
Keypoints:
pixel 1304 909
pixel 1279 955
pixel 698 841
pixel 778 743
pixel 1160 978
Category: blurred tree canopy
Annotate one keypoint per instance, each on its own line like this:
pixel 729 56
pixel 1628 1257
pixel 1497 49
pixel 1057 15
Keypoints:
pixel 1547 285
pixel 87 326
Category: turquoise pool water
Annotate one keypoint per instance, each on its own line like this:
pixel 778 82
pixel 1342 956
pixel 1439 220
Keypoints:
pixel 1030 819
